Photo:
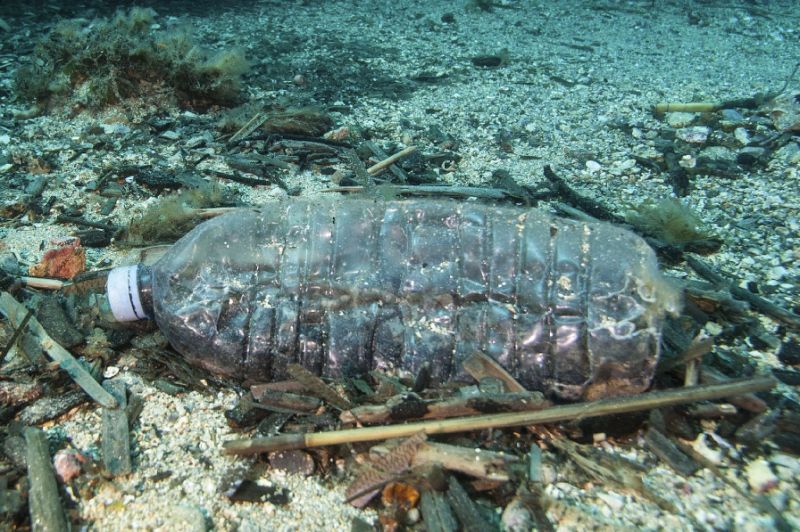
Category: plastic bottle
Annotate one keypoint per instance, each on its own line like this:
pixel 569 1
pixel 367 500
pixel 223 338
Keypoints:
pixel 343 287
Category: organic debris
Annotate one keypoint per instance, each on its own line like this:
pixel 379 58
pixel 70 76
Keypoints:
pixel 171 217
pixel 668 220
pixel 109 60
pixel 65 261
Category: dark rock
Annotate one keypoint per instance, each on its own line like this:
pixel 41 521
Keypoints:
pixel 55 321
pixel 750 155
pixel 246 413
pixel 787 376
pixel 249 491
pixel 789 353
pixel 732 115
pixel 487 61
pixel 296 462
pixel 94 238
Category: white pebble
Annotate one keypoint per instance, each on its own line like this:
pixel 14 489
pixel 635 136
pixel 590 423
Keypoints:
pixel 760 476
pixel 693 135
pixel 614 501
pixel 592 166
pixel 778 272
pixel 742 136
pixel 677 120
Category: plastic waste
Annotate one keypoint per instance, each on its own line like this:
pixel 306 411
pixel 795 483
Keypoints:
pixel 343 287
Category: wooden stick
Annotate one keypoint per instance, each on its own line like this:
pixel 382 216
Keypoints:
pixel 116 444
pixel 478 463
pixel 389 161
pixel 748 401
pixel 16 312
pixel 757 302
pixel 471 518
pixel 46 511
pixel 669 453
pixel 604 407
pixel 454 407
pixel 431 190
pixel 14 337
pixel 254 123
pixel 378 152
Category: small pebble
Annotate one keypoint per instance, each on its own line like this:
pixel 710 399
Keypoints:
pixel 592 166
pixel 742 136
pixel 693 135
pixel 760 477
pixel 68 464
pixel 678 120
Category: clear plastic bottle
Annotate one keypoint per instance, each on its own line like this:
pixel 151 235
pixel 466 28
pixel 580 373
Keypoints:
pixel 343 287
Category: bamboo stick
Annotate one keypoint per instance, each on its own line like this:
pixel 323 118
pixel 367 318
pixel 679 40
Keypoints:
pixel 604 407
pixel 692 107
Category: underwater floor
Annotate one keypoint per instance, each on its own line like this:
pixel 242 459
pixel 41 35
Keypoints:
pixel 116 127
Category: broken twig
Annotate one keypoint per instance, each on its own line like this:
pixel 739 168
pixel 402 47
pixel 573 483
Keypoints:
pixel 758 303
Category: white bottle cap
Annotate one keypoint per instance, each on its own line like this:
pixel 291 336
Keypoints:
pixel 122 290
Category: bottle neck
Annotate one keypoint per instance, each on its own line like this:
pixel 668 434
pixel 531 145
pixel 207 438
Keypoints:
pixel 129 292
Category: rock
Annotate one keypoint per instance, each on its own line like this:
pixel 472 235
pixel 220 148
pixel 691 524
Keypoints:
pixel 592 166
pixel 789 353
pixel 717 154
pixel 294 462
pixel 785 112
pixel 742 136
pixel 760 477
pixel 701 446
pixel 9 263
pixel 694 134
pixel 750 155
pixel 732 115
pixel 614 501
pixel 185 517
pixel 787 467
pixel 790 153
pixel 678 120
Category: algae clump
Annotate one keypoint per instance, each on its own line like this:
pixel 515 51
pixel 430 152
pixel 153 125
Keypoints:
pixel 173 216
pixel 102 62
pixel 669 220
